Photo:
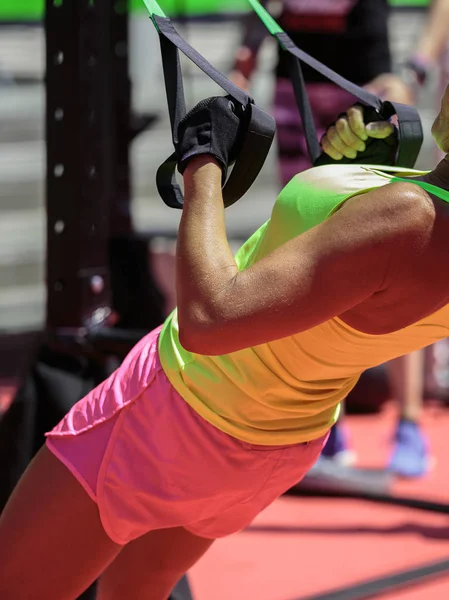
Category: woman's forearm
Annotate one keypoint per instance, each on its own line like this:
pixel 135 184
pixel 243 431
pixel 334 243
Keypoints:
pixel 205 266
pixel 433 40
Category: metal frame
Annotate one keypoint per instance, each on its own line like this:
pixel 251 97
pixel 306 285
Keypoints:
pixel 81 131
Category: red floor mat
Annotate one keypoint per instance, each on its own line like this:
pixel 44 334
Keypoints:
pixel 304 546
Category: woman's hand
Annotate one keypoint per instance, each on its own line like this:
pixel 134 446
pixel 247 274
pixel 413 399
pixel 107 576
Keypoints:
pixel 212 127
pixel 347 138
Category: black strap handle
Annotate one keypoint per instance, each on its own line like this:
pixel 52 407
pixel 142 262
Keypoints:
pixel 409 122
pixel 261 126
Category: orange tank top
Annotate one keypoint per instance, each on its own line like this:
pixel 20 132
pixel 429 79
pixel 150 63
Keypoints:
pixel 290 390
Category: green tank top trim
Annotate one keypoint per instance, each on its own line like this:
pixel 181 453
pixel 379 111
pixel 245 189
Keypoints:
pixel 429 187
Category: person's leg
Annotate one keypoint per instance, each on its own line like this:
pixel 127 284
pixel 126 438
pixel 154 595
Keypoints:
pixel 52 543
pixel 410 456
pixel 406 375
pixel 150 566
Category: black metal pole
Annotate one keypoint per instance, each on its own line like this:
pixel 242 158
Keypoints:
pixel 120 211
pixel 81 150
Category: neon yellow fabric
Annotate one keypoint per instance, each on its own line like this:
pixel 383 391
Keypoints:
pixel 289 390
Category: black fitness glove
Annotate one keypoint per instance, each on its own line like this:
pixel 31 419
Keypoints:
pixel 377 151
pixel 211 127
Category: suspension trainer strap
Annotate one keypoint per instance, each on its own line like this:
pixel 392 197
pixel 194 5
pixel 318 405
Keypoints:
pixel 409 122
pixel 260 129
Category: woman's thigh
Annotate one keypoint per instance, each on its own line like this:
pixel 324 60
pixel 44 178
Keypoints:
pixel 150 566
pixel 52 543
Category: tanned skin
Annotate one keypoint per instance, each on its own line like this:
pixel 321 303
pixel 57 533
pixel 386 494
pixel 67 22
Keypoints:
pixel 376 263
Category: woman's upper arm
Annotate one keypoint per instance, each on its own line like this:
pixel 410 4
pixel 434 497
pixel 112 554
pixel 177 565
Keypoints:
pixel 317 275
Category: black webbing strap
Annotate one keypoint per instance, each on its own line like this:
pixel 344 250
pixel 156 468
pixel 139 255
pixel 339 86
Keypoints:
pixel 409 123
pixel 261 126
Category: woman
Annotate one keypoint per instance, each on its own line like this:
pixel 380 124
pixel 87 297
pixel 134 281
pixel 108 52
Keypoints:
pixel 211 418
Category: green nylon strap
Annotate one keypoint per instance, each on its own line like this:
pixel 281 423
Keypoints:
pixel 432 189
pixel 265 17
pixel 154 10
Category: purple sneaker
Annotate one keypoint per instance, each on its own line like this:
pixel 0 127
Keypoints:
pixel 410 457
pixel 337 447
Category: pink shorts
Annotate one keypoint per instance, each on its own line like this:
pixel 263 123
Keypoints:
pixel 150 461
